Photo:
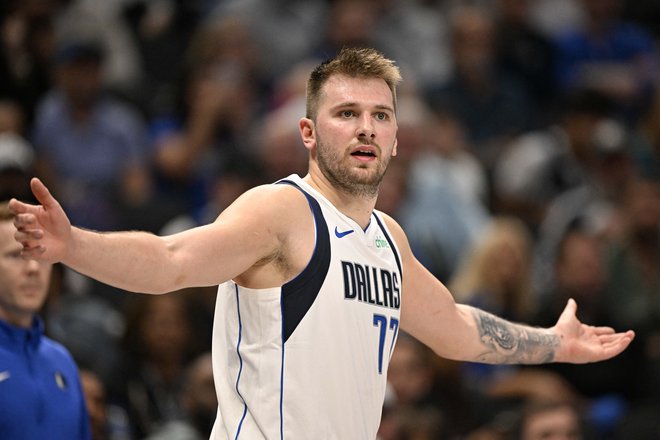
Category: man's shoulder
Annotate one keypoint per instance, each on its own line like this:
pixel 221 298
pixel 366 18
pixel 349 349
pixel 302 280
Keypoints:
pixel 274 196
pixel 54 350
pixel 275 207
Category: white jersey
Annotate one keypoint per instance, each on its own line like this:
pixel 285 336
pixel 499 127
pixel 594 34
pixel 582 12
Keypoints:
pixel 308 360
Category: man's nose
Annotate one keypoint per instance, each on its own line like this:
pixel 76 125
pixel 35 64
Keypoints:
pixel 366 127
pixel 32 266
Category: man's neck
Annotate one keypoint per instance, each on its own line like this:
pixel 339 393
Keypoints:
pixel 358 208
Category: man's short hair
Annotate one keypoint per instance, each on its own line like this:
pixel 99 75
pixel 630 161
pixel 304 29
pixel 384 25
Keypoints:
pixel 353 62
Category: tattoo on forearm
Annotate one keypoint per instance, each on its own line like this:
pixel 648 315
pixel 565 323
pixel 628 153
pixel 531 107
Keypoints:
pixel 511 343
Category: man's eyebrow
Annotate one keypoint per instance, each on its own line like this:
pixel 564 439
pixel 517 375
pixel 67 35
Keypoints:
pixel 348 104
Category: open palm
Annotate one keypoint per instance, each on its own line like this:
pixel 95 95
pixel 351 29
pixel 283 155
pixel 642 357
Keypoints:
pixel 581 343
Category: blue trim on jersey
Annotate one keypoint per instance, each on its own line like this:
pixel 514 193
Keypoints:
pixel 240 360
pixel 391 243
pixel 299 294
pixel 282 375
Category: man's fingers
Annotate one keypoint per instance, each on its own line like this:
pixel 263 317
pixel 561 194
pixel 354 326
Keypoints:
pixel 571 306
pixel 604 331
pixel 21 221
pixel 617 346
pixel 26 236
pixel 34 253
pixel 569 310
pixel 42 194
pixel 18 207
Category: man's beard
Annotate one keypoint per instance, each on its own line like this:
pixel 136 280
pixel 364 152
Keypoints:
pixel 346 179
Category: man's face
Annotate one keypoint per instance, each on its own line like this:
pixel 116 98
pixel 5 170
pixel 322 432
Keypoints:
pixel 23 283
pixel 354 134
pixel 558 424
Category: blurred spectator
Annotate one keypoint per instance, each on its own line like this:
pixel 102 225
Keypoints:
pixel 543 420
pixel 552 17
pixel 593 206
pixel 411 374
pixel 348 23
pixel 91 148
pixel 495 274
pixel 419 390
pixel 414 424
pixel 286 31
pixel 160 33
pixel 278 146
pixel 491 104
pixel 159 344
pixel 122 70
pixel 16 167
pixel 17 158
pixel 610 54
pixel 82 320
pixel 526 53
pixel 27 35
pixel 410 32
pixel 645 141
pixel 415 33
pixel 538 166
pixel 445 209
pixel 633 291
pixel 199 404
pixel 580 273
pixel 220 103
pixel 394 190
pixel 95 400
pixel 12 117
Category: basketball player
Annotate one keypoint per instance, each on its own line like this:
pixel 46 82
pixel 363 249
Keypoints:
pixel 314 284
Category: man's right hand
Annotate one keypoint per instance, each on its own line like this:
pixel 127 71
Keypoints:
pixel 44 230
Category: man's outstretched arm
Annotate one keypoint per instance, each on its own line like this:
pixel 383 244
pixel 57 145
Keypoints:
pixel 460 332
pixel 143 262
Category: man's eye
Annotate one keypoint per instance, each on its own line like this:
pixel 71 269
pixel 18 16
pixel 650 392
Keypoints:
pixel 347 113
pixel 15 255
pixel 381 116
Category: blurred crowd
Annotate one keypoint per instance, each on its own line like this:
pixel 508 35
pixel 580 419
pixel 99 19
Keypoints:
pixel 528 173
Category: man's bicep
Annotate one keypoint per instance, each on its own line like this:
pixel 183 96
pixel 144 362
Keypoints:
pixel 429 313
pixel 245 233
pixel 428 310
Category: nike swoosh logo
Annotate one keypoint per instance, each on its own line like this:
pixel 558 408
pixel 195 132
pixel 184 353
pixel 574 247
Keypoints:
pixel 4 375
pixel 342 233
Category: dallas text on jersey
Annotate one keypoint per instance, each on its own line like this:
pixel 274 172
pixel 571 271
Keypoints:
pixel 371 285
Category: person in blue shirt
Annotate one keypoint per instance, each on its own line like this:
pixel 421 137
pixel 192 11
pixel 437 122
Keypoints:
pixel 40 392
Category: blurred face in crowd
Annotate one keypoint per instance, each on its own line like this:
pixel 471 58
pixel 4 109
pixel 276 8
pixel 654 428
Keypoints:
pixel 409 373
pixel 473 42
pixel 580 267
pixel 560 423
pixel 165 328
pixel 23 283
pixel 81 79
pixel 95 400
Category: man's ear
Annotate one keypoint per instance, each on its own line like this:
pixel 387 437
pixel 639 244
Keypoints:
pixel 394 150
pixel 307 133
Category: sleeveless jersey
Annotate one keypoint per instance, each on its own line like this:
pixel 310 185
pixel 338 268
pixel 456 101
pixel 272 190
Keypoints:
pixel 308 360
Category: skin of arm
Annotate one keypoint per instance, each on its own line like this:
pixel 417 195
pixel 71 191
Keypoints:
pixel 460 332
pixel 239 243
